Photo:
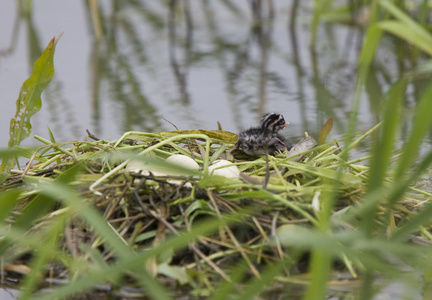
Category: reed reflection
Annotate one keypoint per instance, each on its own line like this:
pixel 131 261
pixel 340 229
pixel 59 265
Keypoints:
pixel 113 68
pixel 180 69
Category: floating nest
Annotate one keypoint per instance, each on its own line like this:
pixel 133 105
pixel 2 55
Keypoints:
pixel 147 200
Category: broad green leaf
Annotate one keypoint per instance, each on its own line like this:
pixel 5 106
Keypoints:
pixel 29 99
pixel 325 130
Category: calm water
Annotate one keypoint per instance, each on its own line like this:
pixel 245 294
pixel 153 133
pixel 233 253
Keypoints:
pixel 195 65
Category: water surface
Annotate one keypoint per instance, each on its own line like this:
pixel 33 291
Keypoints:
pixel 195 63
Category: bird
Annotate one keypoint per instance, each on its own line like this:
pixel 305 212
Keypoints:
pixel 264 138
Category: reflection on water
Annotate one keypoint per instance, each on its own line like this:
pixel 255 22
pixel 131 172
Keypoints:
pixel 122 64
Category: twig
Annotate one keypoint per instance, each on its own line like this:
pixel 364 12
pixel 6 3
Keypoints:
pixel 158 217
pixel 92 136
pixel 233 238
pixel 169 122
pixel 110 209
pixel 278 244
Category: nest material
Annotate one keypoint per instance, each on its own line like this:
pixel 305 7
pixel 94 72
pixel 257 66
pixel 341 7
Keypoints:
pixel 272 193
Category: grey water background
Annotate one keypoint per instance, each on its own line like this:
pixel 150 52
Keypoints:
pixel 195 63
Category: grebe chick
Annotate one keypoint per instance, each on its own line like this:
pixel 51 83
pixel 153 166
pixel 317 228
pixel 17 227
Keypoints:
pixel 256 140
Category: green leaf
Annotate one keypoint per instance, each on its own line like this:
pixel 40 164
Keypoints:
pixel 51 135
pixel 38 264
pixel 325 130
pixel 52 139
pixel 384 143
pixel 8 201
pixel 29 99
pixel 10 154
pixel 406 28
pixel 41 204
pixel 421 125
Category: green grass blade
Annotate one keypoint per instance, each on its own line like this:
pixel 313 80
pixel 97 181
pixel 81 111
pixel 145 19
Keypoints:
pixel 382 151
pixel 8 200
pixel 29 99
pixel 370 44
pixel 257 286
pixel 320 8
pixel 421 126
pixel 420 219
pixel 65 194
pixel 41 204
pixel 406 28
pixel 10 154
pixel 321 260
pixel 49 242
pixel 135 263
pixel 228 288
pixel 51 135
pixel 321 266
pixel 423 217
pixel 385 139
pixel 371 41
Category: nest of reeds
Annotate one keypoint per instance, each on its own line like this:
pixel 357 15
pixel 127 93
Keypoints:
pixel 145 206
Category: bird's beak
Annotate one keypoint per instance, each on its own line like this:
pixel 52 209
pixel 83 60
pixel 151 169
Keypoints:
pixel 286 124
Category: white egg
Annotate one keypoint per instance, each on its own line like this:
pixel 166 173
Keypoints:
pixel 177 159
pixel 137 166
pixel 183 160
pixel 230 171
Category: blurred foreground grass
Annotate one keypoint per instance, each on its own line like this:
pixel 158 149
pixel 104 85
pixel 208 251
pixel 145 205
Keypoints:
pixel 78 219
